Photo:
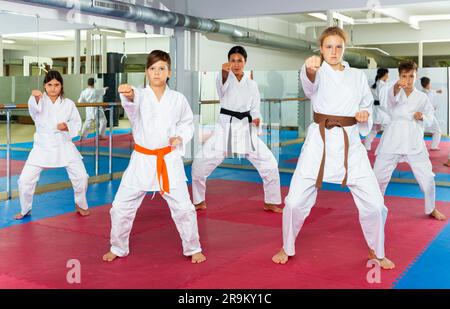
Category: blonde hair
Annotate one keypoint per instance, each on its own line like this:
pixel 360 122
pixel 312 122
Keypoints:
pixel 329 32
pixel 332 31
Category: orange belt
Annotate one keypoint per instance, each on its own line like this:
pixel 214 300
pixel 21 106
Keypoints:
pixel 329 122
pixel 161 168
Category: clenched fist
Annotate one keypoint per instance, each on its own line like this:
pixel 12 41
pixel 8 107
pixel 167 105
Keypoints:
pixel 36 93
pixel 362 116
pixel 418 116
pixel 313 64
pixel 175 141
pixel 62 126
pixel 402 83
pixel 226 67
pixel 127 91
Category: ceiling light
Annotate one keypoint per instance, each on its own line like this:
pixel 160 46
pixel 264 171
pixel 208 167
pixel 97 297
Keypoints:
pixel 36 35
pixel 321 16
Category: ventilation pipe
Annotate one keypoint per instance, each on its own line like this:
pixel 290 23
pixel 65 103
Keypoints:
pixel 139 13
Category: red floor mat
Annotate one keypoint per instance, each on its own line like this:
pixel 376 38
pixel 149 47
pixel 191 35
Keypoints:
pixel 16 167
pixel 119 141
pixel 437 157
pixel 237 236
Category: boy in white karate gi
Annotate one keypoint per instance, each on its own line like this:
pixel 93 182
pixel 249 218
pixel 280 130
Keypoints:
pixel 161 120
pixel 402 140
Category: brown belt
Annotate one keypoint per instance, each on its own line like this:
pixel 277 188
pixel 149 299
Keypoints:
pixel 329 122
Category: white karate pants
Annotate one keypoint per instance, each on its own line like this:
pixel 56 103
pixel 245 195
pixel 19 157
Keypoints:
pixel 90 119
pixel 421 168
pixel 435 129
pixel 368 199
pixel 126 204
pixel 262 159
pixel 30 176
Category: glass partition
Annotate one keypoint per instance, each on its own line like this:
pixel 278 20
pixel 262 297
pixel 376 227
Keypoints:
pixel 287 113
pixel 439 81
pixel 95 151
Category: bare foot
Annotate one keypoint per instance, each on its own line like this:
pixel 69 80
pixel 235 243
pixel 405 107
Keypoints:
pixel 281 257
pixel 447 163
pixel 109 257
pixel 19 216
pixel 273 207
pixel 198 258
pixel 82 212
pixel 200 206
pixel 385 263
pixel 438 215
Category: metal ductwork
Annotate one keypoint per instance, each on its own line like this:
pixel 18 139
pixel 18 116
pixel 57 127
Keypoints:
pixel 139 13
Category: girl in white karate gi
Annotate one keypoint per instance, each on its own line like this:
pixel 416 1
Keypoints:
pixel 402 140
pixel 92 95
pixel 57 121
pixel 161 120
pixel 235 133
pixel 380 114
pixel 342 104
pixel 435 127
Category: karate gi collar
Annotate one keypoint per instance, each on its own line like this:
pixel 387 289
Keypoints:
pixel 243 79
pixel 59 100
pixel 152 93
pixel 411 95
pixel 335 75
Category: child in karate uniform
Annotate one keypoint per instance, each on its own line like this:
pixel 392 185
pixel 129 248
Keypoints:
pixel 57 121
pixel 402 140
pixel 92 95
pixel 162 123
pixel 333 151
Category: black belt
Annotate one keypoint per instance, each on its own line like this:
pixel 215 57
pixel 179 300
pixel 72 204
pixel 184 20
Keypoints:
pixel 239 116
pixel 376 102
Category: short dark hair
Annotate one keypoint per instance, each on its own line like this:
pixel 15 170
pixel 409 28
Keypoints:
pixel 425 81
pixel 51 75
pixel 407 65
pixel 237 50
pixel 157 55
pixel 91 81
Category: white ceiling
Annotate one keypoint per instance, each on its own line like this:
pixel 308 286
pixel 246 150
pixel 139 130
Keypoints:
pixel 402 21
pixel 219 9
